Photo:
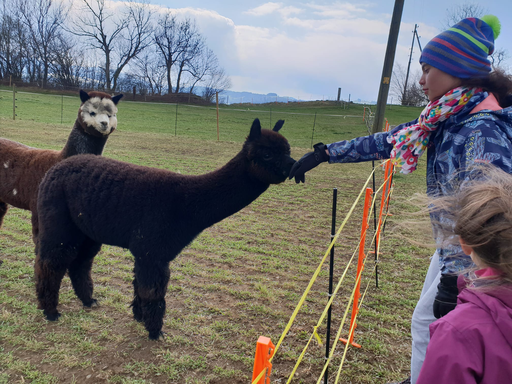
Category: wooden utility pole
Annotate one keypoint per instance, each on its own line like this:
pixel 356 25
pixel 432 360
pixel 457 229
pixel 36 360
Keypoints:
pixel 414 35
pixel 388 66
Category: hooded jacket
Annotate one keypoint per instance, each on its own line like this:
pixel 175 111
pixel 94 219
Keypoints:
pixel 472 343
pixel 459 143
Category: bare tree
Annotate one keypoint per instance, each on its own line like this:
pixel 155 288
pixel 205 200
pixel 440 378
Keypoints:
pixel 216 81
pixel 13 41
pixel 465 10
pixel 68 64
pixel 44 22
pixel 120 36
pixel 166 38
pixel 179 43
pixel 192 44
pixel 152 72
pixel 413 95
pixel 205 69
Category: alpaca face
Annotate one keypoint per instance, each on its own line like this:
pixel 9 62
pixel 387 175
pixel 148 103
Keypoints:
pixel 99 116
pixel 269 154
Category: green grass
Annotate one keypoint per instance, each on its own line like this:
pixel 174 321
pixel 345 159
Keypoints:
pixel 239 279
pixel 305 123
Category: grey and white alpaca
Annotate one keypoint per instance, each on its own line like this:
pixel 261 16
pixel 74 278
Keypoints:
pixel 22 168
pixel 87 201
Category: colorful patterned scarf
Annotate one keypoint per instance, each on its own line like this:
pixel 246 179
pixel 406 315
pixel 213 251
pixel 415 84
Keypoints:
pixel 410 142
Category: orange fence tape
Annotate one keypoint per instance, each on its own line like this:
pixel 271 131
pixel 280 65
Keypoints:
pixel 360 266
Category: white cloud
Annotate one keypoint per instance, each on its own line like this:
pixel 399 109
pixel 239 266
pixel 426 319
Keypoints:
pixel 336 10
pixel 328 51
pixel 264 9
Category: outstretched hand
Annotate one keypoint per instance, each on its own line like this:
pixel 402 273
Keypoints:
pixel 309 161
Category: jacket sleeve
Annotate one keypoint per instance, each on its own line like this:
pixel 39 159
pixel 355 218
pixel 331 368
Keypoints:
pixel 450 357
pixel 365 148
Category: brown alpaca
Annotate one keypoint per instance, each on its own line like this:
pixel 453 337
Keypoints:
pixel 22 168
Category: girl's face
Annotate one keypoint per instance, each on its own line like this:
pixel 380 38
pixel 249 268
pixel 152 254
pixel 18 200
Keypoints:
pixel 436 83
pixel 470 252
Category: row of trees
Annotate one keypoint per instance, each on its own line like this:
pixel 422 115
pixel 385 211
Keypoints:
pixel 98 44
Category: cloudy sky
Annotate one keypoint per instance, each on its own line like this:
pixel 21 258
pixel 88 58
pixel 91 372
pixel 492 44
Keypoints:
pixel 309 49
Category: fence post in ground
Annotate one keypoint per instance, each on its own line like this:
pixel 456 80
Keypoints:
pixel 262 366
pixel 14 102
pixel 217 101
pixel 313 133
pixel 384 198
pixel 176 120
pixel 331 278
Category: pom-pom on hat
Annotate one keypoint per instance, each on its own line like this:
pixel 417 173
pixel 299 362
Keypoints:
pixel 462 51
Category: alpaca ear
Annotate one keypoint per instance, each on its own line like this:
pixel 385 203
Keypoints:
pixel 84 96
pixel 255 130
pixel 116 99
pixel 278 125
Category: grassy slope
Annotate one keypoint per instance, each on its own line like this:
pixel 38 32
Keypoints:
pixel 239 279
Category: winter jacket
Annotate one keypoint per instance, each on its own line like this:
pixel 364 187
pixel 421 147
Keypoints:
pixel 472 343
pixel 460 142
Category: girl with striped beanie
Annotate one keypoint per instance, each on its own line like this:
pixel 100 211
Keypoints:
pixel 468 121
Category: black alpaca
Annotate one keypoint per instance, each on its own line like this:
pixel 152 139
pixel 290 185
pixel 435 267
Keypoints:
pixel 22 168
pixel 87 201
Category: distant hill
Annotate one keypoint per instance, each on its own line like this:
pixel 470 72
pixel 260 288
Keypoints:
pixel 232 97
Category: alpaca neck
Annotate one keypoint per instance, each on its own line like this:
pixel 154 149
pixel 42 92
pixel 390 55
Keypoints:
pixel 223 192
pixel 80 142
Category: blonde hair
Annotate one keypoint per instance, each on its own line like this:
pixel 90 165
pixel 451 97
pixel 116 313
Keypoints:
pixel 481 211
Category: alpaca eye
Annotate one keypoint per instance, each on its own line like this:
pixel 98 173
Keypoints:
pixel 92 113
pixel 109 116
pixel 267 156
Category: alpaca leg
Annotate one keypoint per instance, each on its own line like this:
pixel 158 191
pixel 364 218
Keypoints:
pixel 35 230
pixel 151 279
pixel 49 271
pixel 3 211
pixel 80 272
pixel 58 245
pixel 136 303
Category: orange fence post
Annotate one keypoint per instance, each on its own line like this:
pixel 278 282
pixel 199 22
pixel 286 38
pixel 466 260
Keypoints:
pixel 392 170
pixel 264 351
pixel 360 266
pixel 387 179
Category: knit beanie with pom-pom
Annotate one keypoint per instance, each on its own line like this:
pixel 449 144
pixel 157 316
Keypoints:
pixel 462 51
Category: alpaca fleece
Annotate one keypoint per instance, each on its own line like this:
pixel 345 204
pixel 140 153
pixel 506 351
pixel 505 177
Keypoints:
pixel 86 201
pixel 22 168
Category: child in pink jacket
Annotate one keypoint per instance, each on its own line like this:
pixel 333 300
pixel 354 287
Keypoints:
pixel 473 343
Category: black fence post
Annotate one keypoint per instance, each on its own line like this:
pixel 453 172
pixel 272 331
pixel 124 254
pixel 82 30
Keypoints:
pixel 331 278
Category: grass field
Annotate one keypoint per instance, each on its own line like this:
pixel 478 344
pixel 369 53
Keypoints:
pixel 239 279
pixel 306 123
